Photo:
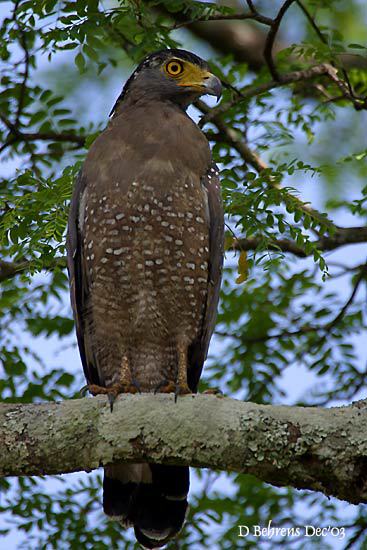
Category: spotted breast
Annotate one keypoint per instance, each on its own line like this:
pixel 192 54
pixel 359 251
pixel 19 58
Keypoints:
pixel 146 247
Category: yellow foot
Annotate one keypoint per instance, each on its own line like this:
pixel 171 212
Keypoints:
pixel 181 389
pixel 113 391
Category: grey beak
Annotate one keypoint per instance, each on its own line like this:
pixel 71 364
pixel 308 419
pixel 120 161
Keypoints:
pixel 213 86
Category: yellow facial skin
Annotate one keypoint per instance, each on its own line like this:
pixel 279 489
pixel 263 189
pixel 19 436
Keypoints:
pixel 186 74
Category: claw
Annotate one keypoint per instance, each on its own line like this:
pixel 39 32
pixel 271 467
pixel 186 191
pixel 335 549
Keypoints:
pixel 83 391
pixel 111 400
pixel 182 389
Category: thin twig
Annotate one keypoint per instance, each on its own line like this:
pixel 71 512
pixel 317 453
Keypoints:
pixel 252 91
pixel 270 39
pixel 23 86
pixel 255 16
pixel 346 87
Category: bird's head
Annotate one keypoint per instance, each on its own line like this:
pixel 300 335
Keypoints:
pixel 172 74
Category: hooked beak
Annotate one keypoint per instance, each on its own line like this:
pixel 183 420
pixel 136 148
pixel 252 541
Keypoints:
pixel 213 85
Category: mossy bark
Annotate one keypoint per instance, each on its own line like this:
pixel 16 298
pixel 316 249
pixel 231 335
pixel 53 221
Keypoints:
pixel 307 448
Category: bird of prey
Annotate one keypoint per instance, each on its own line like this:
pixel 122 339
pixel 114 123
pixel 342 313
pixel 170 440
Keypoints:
pixel 145 251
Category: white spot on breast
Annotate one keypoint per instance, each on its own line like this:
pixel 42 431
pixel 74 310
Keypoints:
pixel 159 261
pixel 109 251
pixel 118 251
pixel 104 260
pixel 178 242
pixel 120 216
pixel 111 221
pixel 190 265
pixel 149 262
pixel 164 224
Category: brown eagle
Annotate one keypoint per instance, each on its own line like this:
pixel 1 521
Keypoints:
pixel 145 252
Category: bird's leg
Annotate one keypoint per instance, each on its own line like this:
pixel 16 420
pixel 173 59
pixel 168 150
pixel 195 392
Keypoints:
pixel 125 384
pixel 181 383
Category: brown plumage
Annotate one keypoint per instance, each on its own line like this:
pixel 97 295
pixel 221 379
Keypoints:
pixel 145 247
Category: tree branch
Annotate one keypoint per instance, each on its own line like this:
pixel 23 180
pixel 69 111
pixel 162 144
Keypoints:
pixel 308 448
pixel 17 136
pixel 231 136
pixel 254 15
pixel 252 90
pixel 270 39
pixel 11 269
pixel 342 237
pixel 245 41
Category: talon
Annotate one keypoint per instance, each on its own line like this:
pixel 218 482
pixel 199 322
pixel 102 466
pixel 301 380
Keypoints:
pixel 83 390
pixel 181 389
pixel 111 400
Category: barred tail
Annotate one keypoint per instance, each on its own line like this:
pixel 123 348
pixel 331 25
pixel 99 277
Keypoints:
pixel 150 497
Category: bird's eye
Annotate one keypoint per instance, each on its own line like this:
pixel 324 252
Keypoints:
pixel 174 68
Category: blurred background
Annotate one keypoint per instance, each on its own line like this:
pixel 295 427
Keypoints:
pixel 291 324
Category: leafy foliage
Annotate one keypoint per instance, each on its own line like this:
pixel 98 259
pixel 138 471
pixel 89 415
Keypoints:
pixel 286 304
